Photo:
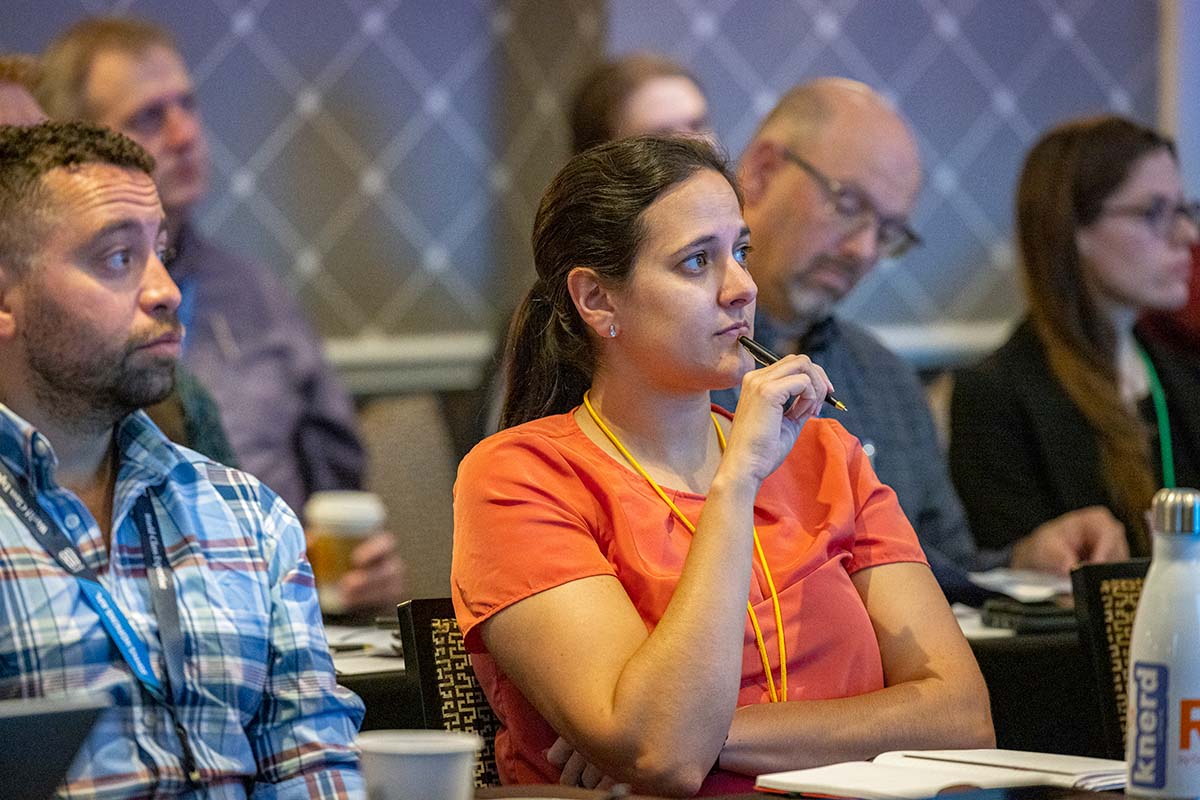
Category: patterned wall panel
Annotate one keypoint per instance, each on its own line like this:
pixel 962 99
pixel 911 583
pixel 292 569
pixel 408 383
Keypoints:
pixel 387 156
pixel 978 79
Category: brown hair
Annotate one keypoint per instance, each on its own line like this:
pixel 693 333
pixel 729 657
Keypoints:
pixel 590 216
pixel 68 59
pixel 27 153
pixel 600 99
pixel 21 69
pixel 1066 179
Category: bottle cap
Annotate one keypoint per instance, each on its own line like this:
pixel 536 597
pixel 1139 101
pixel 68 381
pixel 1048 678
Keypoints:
pixel 1176 511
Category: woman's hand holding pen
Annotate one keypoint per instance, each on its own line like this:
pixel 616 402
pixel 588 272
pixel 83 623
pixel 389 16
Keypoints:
pixel 775 403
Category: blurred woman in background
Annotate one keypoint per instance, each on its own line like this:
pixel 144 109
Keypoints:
pixel 642 93
pixel 1060 438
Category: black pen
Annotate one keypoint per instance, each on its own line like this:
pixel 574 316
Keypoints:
pixel 765 357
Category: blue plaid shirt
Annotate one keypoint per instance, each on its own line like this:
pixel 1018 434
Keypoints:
pixel 262 709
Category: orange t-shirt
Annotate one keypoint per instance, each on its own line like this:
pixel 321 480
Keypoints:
pixel 539 505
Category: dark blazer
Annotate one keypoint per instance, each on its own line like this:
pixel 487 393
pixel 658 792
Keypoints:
pixel 1021 453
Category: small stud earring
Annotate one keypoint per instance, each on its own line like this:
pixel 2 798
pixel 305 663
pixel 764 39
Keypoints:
pixel 612 331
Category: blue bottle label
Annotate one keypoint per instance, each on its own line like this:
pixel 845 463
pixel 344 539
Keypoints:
pixel 1148 725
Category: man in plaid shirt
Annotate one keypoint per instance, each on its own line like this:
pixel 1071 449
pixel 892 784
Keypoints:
pixel 236 694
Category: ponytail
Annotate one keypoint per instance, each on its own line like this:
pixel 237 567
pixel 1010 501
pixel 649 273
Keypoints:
pixel 549 361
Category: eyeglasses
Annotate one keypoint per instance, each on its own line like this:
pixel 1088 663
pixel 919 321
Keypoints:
pixel 1159 214
pixel 893 237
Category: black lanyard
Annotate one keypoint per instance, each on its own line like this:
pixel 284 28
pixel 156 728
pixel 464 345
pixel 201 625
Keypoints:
pixel 162 598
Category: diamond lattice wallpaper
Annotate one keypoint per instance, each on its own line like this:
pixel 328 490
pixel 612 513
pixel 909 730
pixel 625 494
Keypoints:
pixel 978 79
pixel 387 156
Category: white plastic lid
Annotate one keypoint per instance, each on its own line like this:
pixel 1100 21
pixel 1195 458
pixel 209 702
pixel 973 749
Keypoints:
pixel 420 742
pixel 352 512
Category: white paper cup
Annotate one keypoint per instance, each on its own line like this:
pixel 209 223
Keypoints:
pixel 419 765
pixel 336 522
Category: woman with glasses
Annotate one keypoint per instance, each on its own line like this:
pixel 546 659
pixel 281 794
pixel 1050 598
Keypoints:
pixel 1061 437
pixel 654 590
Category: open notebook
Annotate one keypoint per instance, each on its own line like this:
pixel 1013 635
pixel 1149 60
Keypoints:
pixel 923 773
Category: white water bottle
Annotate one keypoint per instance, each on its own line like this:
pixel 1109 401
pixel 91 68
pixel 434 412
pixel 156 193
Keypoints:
pixel 1162 732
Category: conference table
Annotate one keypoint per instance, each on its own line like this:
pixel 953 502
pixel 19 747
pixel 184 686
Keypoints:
pixel 392 699
pixel 1043 693
pixel 1016 793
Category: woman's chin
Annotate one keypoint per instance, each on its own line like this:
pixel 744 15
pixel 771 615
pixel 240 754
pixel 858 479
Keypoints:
pixel 729 378
pixel 1166 301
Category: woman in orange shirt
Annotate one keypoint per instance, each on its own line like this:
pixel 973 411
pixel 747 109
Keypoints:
pixel 649 579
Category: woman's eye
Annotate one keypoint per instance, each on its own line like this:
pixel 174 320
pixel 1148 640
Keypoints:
pixel 166 255
pixel 742 253
pixel 119 260
pixel 695 263
pixel 1159 211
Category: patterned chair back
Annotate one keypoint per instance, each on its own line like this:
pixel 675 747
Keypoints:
pixel 451 697
pixel 1106 598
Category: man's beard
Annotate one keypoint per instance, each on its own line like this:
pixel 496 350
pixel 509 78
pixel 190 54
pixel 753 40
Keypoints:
pixel 811 304
pixel 79 379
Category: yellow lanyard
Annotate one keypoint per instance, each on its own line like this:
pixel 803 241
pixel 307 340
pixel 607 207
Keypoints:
pixel 776 697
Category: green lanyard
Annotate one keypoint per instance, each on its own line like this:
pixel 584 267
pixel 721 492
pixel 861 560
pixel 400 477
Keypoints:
pixel 1160 415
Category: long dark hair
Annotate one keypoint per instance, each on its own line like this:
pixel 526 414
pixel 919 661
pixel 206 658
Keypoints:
pixel 1067 177
pixel 590 216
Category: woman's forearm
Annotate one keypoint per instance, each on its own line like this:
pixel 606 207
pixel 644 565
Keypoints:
pixel 677 692
pixel 926 714
pixel 648 708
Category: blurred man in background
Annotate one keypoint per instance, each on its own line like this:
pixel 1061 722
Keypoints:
pixel 290 421
pixel 830 179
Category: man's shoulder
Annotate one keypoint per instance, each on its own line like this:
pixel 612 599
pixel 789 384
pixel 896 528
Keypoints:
pixel 199 470
pixel 251 296
pixel 214 263
pixel 194 248
pixel 831 335
pixel 197 479
pixel 866 348
pixel 874 362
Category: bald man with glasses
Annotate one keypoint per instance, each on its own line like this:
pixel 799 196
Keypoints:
pixel 830 179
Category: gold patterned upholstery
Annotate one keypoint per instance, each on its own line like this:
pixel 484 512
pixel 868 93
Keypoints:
pixel 1106 598
pixel 451 697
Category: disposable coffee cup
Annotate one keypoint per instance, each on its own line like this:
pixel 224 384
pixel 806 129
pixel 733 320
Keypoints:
pixel 419 765
pixel 335 523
